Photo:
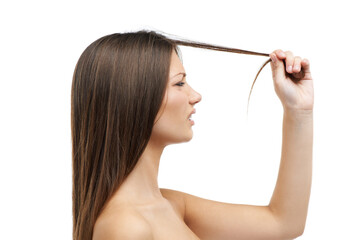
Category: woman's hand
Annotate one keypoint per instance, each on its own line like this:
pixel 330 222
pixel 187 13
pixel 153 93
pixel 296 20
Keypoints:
pixel 293 85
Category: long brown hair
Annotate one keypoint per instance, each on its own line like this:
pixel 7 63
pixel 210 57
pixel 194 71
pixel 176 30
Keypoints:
pixel 118 86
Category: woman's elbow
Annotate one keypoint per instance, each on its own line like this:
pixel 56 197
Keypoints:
pixel 293 233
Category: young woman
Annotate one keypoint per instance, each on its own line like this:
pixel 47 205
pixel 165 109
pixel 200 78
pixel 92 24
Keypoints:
pixel 130 99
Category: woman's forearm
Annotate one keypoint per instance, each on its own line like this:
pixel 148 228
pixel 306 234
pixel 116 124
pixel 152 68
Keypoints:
pixel 290 199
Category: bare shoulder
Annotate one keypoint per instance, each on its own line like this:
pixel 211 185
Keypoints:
pixel 122 223
pixel 176 198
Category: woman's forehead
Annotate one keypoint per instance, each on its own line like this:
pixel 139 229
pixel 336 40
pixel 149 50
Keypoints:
pixel 176 65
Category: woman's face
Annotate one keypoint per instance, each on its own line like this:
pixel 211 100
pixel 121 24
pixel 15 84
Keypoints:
pixel 172 124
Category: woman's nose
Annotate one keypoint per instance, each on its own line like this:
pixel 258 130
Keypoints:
pixel 196 97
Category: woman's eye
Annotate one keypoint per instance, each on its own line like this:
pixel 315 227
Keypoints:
pixel 178 84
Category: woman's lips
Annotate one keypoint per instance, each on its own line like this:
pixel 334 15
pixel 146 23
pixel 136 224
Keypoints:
pixel 193 112
pixel 192 121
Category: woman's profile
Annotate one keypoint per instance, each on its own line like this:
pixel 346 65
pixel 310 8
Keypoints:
pixel 130 99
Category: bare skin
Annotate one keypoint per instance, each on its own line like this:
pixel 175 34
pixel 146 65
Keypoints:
pixel 141 210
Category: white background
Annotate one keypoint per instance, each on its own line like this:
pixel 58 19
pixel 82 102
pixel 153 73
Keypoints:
pixel 232 157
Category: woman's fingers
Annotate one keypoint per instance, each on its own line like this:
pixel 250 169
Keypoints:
pixel 292 91
pixel 297 64
pixel 277 65
pixel 288 57
pixel 280 54
pixel 292 64
pixel 289 61
pixel 305 65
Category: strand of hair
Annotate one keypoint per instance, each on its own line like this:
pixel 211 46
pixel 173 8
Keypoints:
pixel 218 48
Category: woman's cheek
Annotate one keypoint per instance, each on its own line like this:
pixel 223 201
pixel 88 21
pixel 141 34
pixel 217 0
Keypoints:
pixel 179 103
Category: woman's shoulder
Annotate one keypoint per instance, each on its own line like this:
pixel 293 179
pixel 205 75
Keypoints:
pixel 176 198
pixel 122 222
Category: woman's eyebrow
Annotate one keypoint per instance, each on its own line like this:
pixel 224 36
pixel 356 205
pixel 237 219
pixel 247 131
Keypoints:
pixel 179 74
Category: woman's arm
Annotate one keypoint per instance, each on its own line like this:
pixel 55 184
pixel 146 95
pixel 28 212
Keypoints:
pixel 290 199
pixel 289 202
pixel 285 216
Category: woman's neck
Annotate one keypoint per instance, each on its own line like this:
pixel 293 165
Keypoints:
pixel 141 186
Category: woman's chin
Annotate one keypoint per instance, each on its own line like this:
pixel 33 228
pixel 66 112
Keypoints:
pixel 189 136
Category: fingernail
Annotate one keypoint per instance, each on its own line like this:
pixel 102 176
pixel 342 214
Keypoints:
pixel 282 54
pixel 296 68
pixel 289 68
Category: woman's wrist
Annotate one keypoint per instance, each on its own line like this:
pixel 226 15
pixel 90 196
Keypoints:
pixel 298 114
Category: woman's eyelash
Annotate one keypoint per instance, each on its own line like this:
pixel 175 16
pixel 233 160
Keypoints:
pixel 180 83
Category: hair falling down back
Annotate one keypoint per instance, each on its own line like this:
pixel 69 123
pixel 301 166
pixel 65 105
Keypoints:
pixel 118 86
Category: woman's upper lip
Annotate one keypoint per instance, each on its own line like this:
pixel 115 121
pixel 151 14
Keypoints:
pixel 193 111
